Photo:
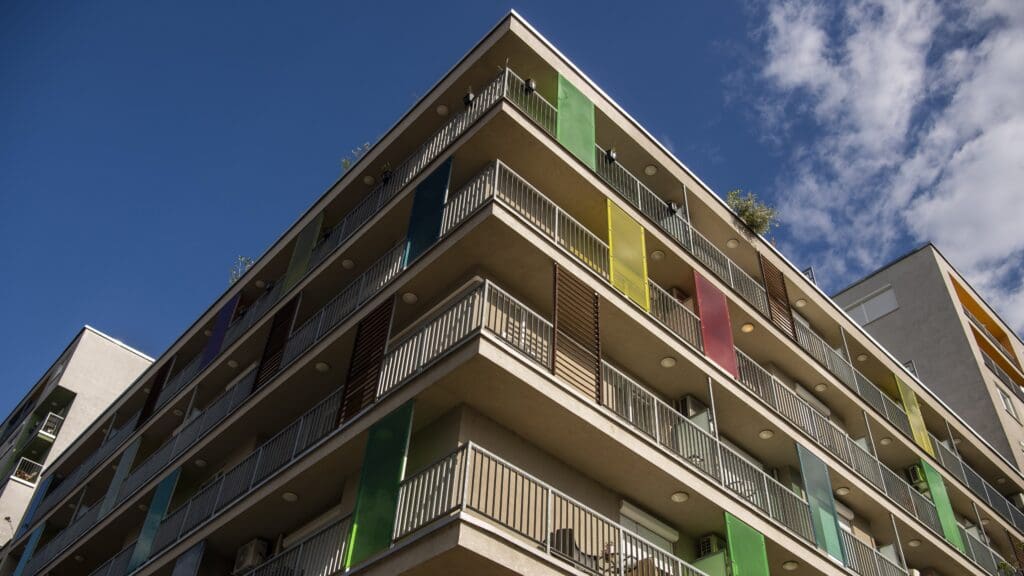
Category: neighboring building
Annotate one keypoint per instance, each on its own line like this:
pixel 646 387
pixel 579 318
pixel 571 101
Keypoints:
pixel 924 312
pixel 519 337
pixel 86 378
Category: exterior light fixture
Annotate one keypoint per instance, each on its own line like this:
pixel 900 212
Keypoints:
pixel 842 491
pixel 177 412
pixel 322 367
pixel 207 332
pixel 885 441
pixel 766 434
pixel 913 543
pixel 747 328
pixel 820 387
pixel 143 507
pixel 199 462
pixel 410 298
pixel 680 497
pixel 79 558
pixel 790 565
pixel 290 497
pixel 1001 480
pixel 800 303
pixel 260 284
pixel 650 169
pixel 347 264
pixel 146 389
pixel 668 362
pixel 232 363
pixel 657 255
pixel 442 110
pixel 369 180
pixel 530 85
pixel 732 243
pixel 611 155
pixel 468 98
pixel 862 357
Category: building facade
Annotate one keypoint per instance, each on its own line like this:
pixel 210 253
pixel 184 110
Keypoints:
pixel 519 337
pixel 927 314
pixel 91 372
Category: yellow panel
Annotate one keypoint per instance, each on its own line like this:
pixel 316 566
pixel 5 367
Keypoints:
pixel 628 256
pixel 914 415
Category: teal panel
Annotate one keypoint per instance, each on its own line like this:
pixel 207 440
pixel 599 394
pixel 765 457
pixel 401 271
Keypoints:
pixel 124 465
pixel 818 488
pixel 188 563
pixel 37 496
pixel 947 518
pixel 155 514
pixel 427 211
pixel 304 244
pixel 576 122
pixel 30 549
pixel 747 553
pixel 377 497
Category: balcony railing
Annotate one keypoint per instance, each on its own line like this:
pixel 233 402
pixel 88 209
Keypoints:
pixel 991 337
pixel 955 465
pixel 118 565
pixel 865 560
pixel 27 471
pixel 321 554
pixel 983 555
pixel 50 426
pixel 474 481
pixel 1003 376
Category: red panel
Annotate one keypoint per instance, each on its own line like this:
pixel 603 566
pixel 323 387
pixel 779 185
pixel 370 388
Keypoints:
pixel 715 327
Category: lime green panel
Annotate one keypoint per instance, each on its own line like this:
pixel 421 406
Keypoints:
pixel 942 505
pixel 628 256
pixel 575 128
pixel 747 553
pixel 304 244
pixel 377 496
pixel 913 409
pixel 713 564
pixel 818 488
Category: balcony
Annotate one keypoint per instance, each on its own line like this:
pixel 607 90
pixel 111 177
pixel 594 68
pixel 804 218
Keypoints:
pixel 996 342
pixel 50 426
pixel 27 471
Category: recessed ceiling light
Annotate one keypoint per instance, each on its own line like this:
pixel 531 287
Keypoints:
pixel 207 332
pixel 820 387
pixel 143 507
pixel 290 497
pixel 862 357
pixel 766 434
pixel 885 441
pixel 369 180
pixel 410 298
pixel 957 440
pixel 79 558
pixel 800 303
pixel 259 284
pixel 146 390
pixel 985 521
pixel 732 243
pixel 232 363
pixel 667 362
pixel 1001 480
pixel 650 169
pixel 657 255
pixel 177 412
pixel 790 565
pixel 747 328
pixel 913 543
pixel 842 491
pixel 442 110
pixel 322 367
pixel 680 497
pixel 199 462
pixel 347 264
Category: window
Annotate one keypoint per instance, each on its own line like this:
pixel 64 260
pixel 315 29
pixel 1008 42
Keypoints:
pixel 874 306
pixel 909 365
pixel 648 527
pixel 1007 404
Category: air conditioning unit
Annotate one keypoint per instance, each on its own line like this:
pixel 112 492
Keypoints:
pixel 915 475
pixel 709 544
pixel 250 555
pixel 679 295
pixel 691 406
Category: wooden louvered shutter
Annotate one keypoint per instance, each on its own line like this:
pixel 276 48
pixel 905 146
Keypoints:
pixel 778 299
pixel 367 360
pixel 280 328
pixel 577 342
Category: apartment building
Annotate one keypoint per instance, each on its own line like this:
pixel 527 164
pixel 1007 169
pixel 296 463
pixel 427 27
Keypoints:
pixel 929 316
pixel 520 337
pixel 92 371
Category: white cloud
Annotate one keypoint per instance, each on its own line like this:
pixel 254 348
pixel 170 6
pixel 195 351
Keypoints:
pixel 912 130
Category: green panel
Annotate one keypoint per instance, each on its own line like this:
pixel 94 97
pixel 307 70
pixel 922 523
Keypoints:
pixel 124 465
pixel 303 249
pixel 377 497
pixel 628 256
pixel 427 211
pixel 30 549
pixel 747 553
pixel 713 564
pixel 942 505
pixel 913 409
pixel 154 515
pixel 818 488
pixel 576 122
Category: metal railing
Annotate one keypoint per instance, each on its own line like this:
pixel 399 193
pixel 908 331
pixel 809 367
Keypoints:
pixel 865 560
pixel 988 334
pixel 321 554
pixel 677 318
pixel 27 470
pixel 118 565
pixel 983 555
pixel 532 103
pixel 50 425
pixel 962 471
pixel 475 481
pixel 1002 374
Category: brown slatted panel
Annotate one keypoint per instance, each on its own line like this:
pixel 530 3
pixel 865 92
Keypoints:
pixel 367 359
pixel 279 329
pixel 778 298
pixel 577 344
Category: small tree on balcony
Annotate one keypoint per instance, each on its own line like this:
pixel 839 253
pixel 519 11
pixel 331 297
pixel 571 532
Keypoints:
pixel 354 156
pixel 757 215
pixel 239 268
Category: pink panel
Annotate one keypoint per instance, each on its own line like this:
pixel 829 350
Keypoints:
pixel 715 327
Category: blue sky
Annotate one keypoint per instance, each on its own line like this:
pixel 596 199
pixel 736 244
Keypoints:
pixel 146 145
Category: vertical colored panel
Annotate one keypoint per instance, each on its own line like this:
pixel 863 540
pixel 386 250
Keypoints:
pixel 188 563
pixel 628 256
pixel 154 515
pixel 367 360
pixel 575 128
pixel 715 326
pixel 30 549
pixel 577 341
pixel 713 564
pixel 427 211
pixel 778 297
pixel 818 488
pixel 124 465
pixel 377 497
pixel 747 553
pixel 156 386
pixel 943 507
pixel 917 426
pixel 220 328
pixel 37 496
pixel 280 327
pixel 304 244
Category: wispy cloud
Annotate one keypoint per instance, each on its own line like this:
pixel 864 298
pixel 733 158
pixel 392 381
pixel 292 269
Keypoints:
pixel 904 121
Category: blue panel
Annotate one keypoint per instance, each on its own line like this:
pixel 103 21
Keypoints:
pixel 155 514
pixel 427 211
pixel 37 496
pixel 220 329
pixel 188 563
pixel 818 488
pixel 30 549
pixel 124 465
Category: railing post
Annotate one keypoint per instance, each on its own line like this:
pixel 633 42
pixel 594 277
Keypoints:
pixel 466 462
pixel 768 497
pixel 621 549
pixel 547 518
